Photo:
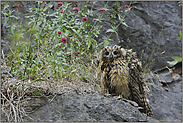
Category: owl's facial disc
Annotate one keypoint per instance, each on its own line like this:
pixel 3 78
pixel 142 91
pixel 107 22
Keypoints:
pixel 111 53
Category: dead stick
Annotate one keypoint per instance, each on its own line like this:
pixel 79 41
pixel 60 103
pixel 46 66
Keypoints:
pixel 11 106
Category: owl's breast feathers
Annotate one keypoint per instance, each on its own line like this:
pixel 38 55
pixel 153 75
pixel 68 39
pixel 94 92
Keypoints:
pixel 116 76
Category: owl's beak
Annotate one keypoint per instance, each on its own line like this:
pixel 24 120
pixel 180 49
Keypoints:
pixel 111 58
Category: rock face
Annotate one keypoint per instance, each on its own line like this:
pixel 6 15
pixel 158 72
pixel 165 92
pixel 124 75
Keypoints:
pixel 151 26
pixel 166 98
pixel 82 108
pixel 154 25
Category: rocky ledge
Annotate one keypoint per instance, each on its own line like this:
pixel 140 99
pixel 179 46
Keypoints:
pixel 165 98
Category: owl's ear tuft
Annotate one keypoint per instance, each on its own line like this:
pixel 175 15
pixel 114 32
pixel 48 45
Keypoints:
pixel 123 51
pixel 101 53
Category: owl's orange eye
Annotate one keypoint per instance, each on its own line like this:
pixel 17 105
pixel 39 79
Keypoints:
pixel 115 52
pixel 106 53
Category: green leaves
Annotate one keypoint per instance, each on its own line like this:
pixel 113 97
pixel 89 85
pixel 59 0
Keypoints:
pixel 12 29
pixel 54 14
pixel 176 60
pixel 179 39
pixel 50 5
pixel 37 92
pixel 172 62
pixel 39 79
pixel 43 53
pixel 73 71
pixel 110 30
pixel 106 41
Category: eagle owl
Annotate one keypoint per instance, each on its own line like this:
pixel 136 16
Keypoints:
pixel 120 73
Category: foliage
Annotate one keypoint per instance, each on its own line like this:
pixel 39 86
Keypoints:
pixel 116 13
pixel 165 120
pixel 57 42
pixel 180 3
pixel 176 58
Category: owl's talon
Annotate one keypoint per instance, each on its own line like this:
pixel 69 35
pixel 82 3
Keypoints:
pixel 107 95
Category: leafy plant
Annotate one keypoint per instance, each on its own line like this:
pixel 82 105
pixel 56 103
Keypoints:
pixel 57 42
pixel 165 120
pixel 60 41
pixel 176 58
pixel 180 3
pixel 115 13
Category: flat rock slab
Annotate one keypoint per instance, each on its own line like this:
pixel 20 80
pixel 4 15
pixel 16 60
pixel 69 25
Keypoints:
pixel 166 100
pixel 82 108
pixel 165 78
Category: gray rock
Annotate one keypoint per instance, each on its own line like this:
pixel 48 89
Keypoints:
pixel 154 27
pixel 82 108
pixel 166 105
pixel 176 77
pixel 165 78
pixel 4 46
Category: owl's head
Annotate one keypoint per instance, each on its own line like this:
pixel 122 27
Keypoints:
pixel 110 53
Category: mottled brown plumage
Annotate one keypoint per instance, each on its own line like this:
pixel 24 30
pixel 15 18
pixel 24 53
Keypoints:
pixel 120 73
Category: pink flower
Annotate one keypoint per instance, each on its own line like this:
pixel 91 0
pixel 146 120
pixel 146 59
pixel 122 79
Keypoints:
pixel 74 40
pixel 84 19
pixel 78 52
pixel 64 40
pixel 61 10
pixel 59 46
pixel 19 5
pixel 75 2
pixel 59 4
pixel 46 36
pixel 57 7
pixel 59 32
pixel 75 9
pixel 127 6
pixel 102 9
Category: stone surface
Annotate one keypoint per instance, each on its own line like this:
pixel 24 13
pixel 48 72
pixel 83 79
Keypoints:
pixel 82 108
pixel 153 27
pixel 165 78
pixel 166 100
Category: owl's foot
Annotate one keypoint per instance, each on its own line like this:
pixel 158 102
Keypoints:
pixel 107 95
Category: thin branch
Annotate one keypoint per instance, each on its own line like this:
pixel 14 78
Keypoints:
pixel 3 54
pixel 11 106
pixel 10 48
pixel 5 113
pixel 52 98
pixel 23 112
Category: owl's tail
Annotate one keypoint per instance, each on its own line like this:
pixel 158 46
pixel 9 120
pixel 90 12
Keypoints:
pixel 138 93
